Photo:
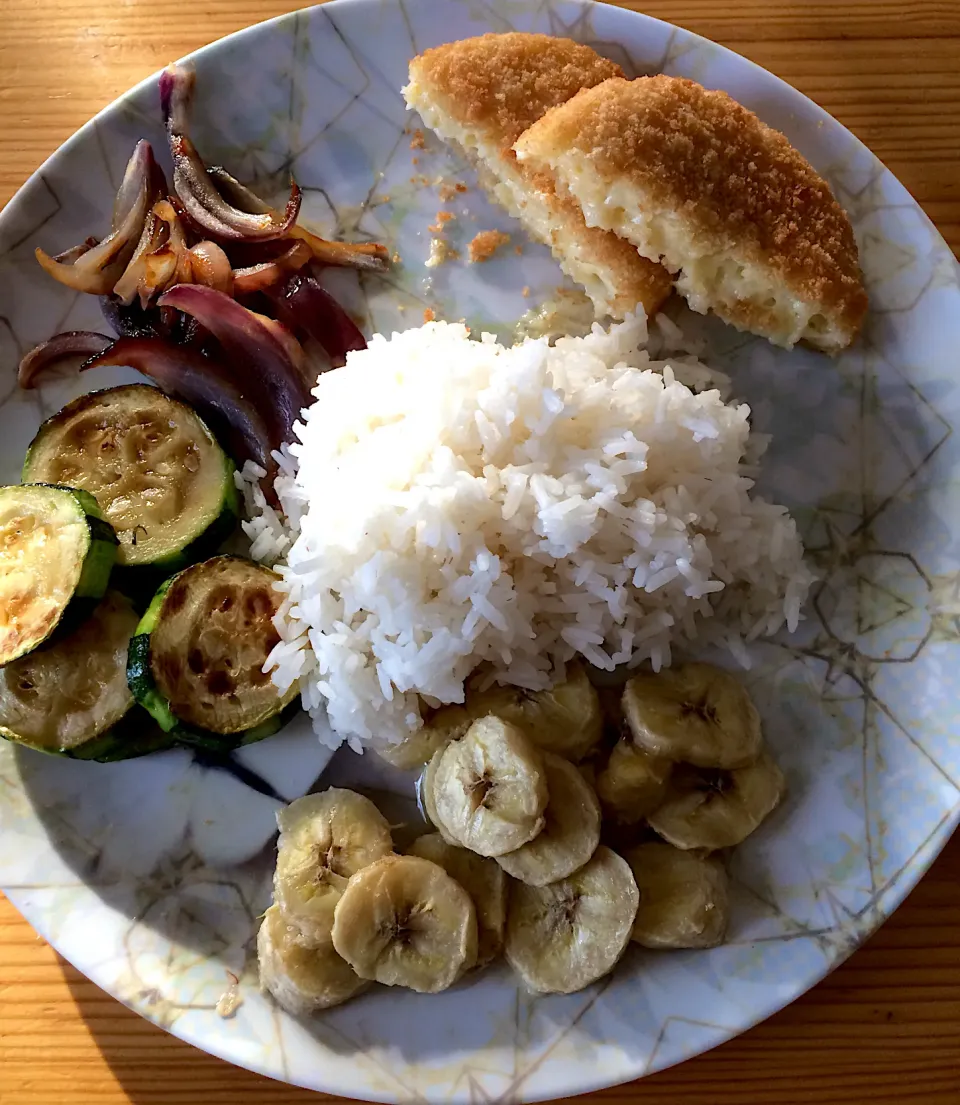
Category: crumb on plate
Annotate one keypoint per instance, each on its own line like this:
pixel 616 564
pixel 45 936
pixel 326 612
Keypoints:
pixel 417 142
pixel 486 244
pixel 440 251
pixel 449 189
pixel 428 315
pixel 443 217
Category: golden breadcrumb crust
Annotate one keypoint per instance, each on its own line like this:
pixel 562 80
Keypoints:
pixel 505 82
pixel 738 184
pixel 497 85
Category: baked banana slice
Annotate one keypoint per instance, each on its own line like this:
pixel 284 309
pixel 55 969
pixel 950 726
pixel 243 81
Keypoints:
pixel 482 879
pixel 632 784
pixel 324 839
pixel 489 789
pixel 707 808
pixel 302 978
pixel 426 785
pixel 447 724
pixel 564 936
pixel 684 897
pixel 694 713
pixel 571 830
pixel 566 719
pixel 404 921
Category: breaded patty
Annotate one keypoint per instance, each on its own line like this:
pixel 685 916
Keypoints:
pixel 481 94
pixel 694 179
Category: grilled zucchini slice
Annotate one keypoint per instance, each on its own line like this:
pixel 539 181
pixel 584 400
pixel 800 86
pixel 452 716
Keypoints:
pixel 156 470
pixel 196 661
pixel 72 698
pixel 56 555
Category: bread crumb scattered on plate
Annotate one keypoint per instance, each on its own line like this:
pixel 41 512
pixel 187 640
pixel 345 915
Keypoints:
pixel 443 217
pixel 486 244
pixel 440 252
pixel 449 189
pixel 429 315
pixel 417 142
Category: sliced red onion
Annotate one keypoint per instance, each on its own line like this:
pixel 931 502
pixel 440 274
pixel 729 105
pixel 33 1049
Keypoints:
pixel 133 321
pixel 71 343
pixel 259 277
pixel 307 307
pixel 264 363
pixel 211 266
pixel 371 256
pixel 97 269
pixel 206 385
pixel 137 278
pixel 193 184
pixel 75 252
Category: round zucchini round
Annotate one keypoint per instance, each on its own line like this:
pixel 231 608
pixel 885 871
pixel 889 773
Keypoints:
pixel 72 698
pixel 196 662
pixel 56 555
pixel 156 470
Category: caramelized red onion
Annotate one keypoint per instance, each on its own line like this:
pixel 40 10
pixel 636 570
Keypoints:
pixel 98 268
pixel 71 343
pixel 192 183
pixel 203 382
pixel 308 308
pixel 261 354
pixel 371 256
pixel 260 277
pixel 138 277
pixel 211 266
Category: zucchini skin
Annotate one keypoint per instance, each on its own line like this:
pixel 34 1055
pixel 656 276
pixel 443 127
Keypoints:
pixel 204 544
pixel 148 695
pixel 135 734
pixel 210 540
pixel 71 698
pixel 98 563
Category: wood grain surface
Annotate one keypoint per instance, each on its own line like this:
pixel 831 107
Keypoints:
pixel 885 1027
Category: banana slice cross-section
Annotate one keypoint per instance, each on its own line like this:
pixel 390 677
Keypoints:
pixel 632 784
pixel 566 719
pixel 482 879
pixel 694 713
pixel 571 830
pixel 684 898
pixel 324 839
pixel 707 808
pixel 447 724
pixel 564 936
pixel 489 789
pixel 302 978
pixel 404 921
pixel 426 789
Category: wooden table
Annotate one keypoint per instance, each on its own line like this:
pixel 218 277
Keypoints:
pixel 885 1027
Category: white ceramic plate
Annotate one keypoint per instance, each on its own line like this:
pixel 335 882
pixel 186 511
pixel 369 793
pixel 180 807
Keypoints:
pixel 149 875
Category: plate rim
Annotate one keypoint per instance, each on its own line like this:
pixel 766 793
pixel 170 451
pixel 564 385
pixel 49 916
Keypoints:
pixel 895 892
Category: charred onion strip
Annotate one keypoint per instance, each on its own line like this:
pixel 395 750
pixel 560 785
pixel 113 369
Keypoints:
pixel 192 183
pixel 261 354
pixel 97 269
pixel 206 385
pixel 260 277
pixel 371 256
pixel 71 343
pixel 307 307
pixel 211 266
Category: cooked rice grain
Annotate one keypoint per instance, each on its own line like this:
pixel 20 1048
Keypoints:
pixel 451 501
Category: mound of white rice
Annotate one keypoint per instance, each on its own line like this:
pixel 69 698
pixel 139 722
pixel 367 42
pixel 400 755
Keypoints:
pixel 451 501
